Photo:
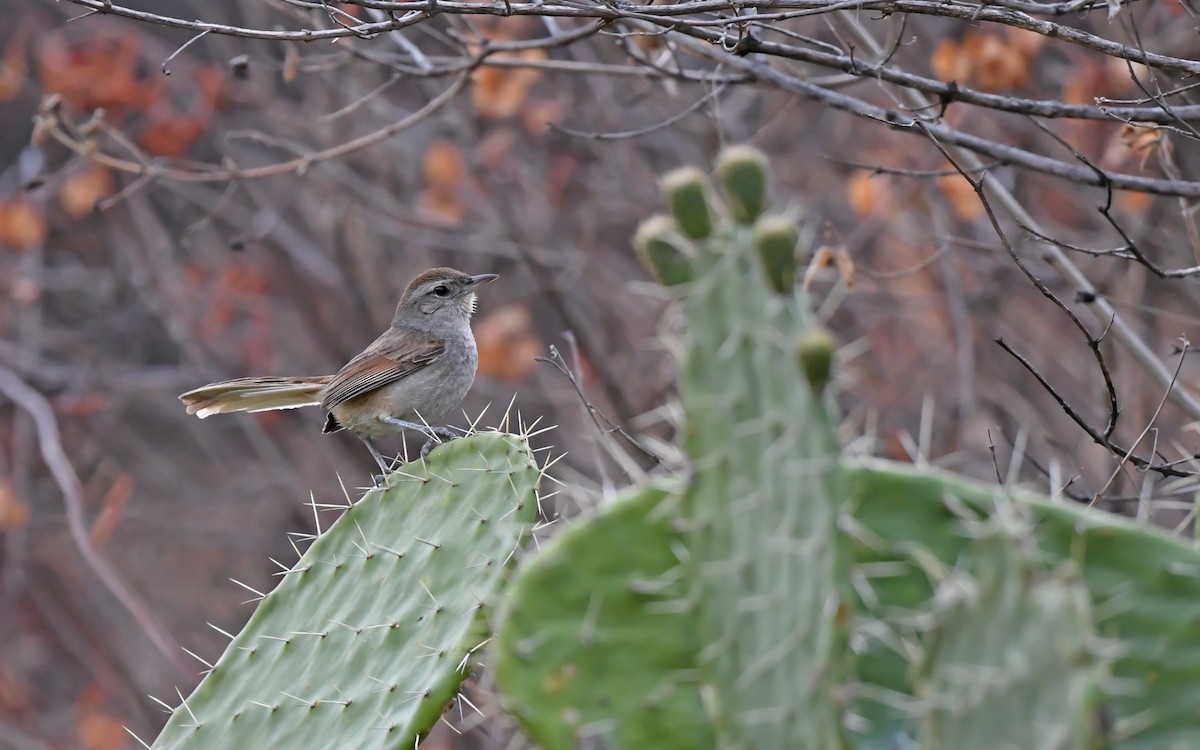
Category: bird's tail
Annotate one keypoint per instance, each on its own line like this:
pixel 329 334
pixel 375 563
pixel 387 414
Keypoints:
pixel 254 394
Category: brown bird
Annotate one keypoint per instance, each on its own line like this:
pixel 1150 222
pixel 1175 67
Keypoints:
pixel 409 378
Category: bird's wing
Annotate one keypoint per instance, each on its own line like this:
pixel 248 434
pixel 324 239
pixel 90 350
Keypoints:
pixel 383 362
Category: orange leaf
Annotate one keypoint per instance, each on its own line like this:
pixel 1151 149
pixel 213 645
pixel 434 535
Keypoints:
pixel 172 136
pixel 948 62
pixel 14 512
pixel 243 280
pixel 15 693
pixel 443 166
pixel 100 731
pixel 845 266
pixel 112 508
pixel 1133 203
pixel 987 60
pixel 291 63
pixel 1144 140
pixel 499 93
pixel 961 196
pixel 211 82
pixel 441 206
pixel 1030 43
pixel 997 65
pixel 25 291
pixel 507 344
pixel 84 189
pixel 22 224
pixel 495 149
pixel 868 193
pixel 825 257
pixel 81 405
pixel 12 66
pixel 100 71
pixel 445 172
pixel 537 117
pixel 564 167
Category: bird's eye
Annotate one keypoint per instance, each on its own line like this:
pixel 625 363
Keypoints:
pixel 441 290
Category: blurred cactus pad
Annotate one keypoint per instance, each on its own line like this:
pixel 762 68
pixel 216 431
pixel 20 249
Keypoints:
pixel 364 642
pixel 782 595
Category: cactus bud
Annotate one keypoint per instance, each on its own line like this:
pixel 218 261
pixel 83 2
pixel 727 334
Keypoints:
pixel 775 239
pixel 686 192
pixel 743 172
pixel 663 250
pixel 815 348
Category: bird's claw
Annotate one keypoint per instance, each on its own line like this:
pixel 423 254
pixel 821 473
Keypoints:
pixel 436 437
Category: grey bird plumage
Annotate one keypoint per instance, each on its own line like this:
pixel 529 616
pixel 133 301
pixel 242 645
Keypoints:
pixel 410 378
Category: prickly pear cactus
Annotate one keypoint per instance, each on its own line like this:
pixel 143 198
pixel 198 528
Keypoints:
pixel 594 663
pixel 366 639
pixel 789 597
pixel 760 514
pixel 1007 639
pixel 1143 591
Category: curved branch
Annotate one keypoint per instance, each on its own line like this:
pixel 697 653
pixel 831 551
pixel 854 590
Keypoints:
pixel 36 405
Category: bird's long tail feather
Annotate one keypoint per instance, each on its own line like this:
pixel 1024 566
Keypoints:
pixel 254 394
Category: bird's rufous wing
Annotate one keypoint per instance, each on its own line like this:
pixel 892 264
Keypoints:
pixel 387 360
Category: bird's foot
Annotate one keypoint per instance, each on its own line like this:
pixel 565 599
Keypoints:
pixel 439 435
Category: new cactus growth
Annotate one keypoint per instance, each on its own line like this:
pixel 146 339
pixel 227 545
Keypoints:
pixel 365 640
pixel 743 174
pixel 686 192
pixel 830 602
pixel 664 251
pixel 775 239
pixel 814 348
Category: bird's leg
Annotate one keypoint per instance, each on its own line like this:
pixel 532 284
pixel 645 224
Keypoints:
pixel 404 424
pixel 435 435
pixel 383 465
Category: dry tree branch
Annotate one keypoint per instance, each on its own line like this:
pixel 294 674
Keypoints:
pixel 418 10
pixel 1009 155
pixel 54 124
pixel 708 24
pixel 36 405
pixel 1102 438
pixel 1059 260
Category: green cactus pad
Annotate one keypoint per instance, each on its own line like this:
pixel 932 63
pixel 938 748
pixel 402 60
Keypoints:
pixel 775 239
pixel 1144 588
pixel 743 173
pixel 687 194
pixel 594 645
pixel 761 510
pixel 829 603
pixel 1009 660
pixel 664 251
pixel 365 640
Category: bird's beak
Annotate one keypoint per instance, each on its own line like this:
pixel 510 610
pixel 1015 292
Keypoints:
pixel 483 278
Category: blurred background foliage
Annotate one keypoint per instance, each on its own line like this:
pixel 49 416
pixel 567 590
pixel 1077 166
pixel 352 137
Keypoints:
pixel 179 208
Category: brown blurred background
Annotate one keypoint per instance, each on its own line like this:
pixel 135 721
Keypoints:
pixel 119 291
